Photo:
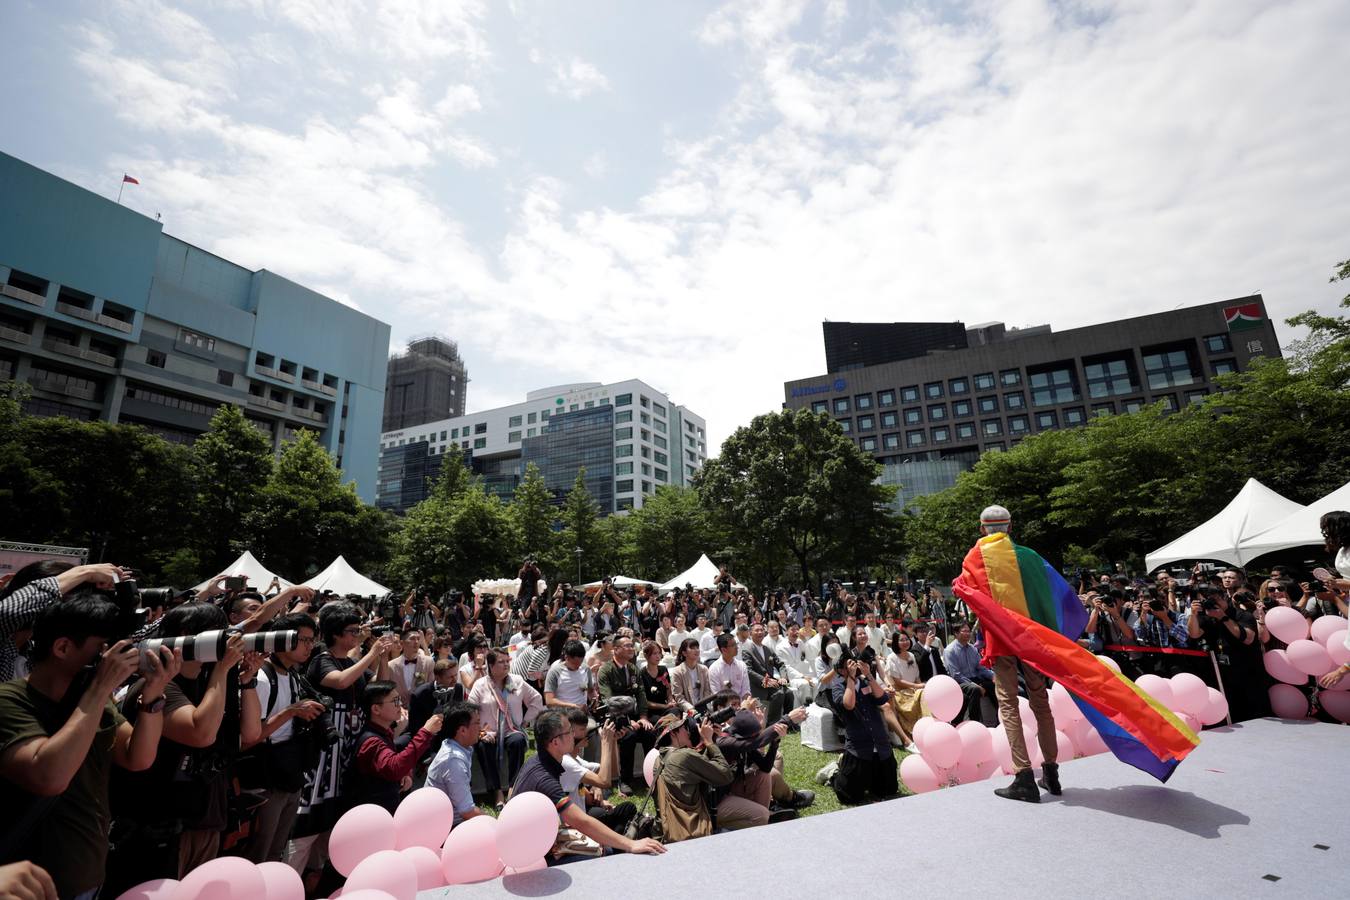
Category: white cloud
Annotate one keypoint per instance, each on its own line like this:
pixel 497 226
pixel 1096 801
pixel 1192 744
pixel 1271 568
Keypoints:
pixel 574 78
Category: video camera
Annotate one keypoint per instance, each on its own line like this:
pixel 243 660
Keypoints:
pixel 621 710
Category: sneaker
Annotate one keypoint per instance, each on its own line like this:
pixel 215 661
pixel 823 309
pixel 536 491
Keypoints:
pixel 781 813
pixel 625 789
pixel 803 799
pixel 827 772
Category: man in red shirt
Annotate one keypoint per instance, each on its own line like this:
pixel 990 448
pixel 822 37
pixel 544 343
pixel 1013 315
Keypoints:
pixel 381 771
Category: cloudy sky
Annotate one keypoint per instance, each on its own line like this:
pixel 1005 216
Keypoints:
pixel 682 192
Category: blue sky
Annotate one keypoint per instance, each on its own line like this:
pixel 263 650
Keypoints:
pixel 681 192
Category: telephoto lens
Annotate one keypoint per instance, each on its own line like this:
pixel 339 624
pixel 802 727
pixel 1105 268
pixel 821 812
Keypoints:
pixel 209 646
pixel 271 641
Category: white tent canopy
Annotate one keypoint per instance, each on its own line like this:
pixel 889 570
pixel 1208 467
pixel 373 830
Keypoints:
pixel 622 581
pixel 247 565
pixel 1255 508
pixel 341 578
pixel 702 574
pixel 1298 529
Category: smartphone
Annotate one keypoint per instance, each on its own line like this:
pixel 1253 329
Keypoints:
pixel 236 583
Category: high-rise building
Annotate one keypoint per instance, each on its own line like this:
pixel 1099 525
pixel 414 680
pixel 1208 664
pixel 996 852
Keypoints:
pixel 628 437
pixel 105 317
pixel 426 383
pixel 926 418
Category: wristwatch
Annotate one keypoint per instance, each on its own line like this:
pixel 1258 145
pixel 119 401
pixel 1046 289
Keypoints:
pixel 155 706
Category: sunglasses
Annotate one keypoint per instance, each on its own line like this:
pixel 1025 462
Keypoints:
pixel 1273 589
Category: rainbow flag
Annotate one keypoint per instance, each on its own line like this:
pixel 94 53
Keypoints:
pixel 1030 612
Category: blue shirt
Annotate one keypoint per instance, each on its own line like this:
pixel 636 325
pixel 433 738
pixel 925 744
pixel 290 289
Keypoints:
pixel 963 663
pixel 451 772
pixel 1150 631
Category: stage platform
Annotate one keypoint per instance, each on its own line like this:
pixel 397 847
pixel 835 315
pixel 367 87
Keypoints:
pixel 1261 809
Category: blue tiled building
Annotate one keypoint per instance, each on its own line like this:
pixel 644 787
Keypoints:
pixel 105 317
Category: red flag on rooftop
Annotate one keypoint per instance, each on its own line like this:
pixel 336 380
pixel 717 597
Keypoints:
pixel 127 179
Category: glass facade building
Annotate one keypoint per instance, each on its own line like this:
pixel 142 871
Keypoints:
pixel 571 441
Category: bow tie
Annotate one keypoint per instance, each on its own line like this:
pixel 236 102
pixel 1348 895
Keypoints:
pixel 410 662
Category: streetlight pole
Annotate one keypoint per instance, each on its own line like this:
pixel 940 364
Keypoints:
pixel 578 553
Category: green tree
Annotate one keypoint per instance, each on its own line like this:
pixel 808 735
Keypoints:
pixel 453 540
pixel 580 519
pixel 793 480
pixel 306 516
pixel 533 513
pixel 234 460
pixel 669 532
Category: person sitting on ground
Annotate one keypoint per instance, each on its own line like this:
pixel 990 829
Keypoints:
pixel 689 682
pixel 690 767
pixel 507 705
pixel 587 782
pixel 728 673
pixel 902 672
pixel 554 738
pixel 380 772
pixel 962 661
pixel 451 772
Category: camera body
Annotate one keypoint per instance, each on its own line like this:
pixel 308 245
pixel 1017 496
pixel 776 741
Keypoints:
pixel 620 710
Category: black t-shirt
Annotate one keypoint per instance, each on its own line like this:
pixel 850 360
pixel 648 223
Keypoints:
pixel 543 773
pixel 326 662
pixel 1219 639
pixel 657 689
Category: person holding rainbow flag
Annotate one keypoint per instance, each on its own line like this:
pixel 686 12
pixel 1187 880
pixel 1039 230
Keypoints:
pixel 1030 614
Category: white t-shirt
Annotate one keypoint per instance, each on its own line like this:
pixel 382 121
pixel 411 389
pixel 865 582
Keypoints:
pixel 567 685
pixel 573 771
pixel 285 697
pixel 905 670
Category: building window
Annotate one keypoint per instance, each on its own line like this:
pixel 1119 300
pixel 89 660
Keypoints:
pixel 941 434
pixel 965 431
pixel 480 428
pixel 913 416
pixel 155 358
pixel 624 416
pixel 479 443
pixel 513 422
pixel 933 390
pixel 1195 396
pixel 532 418
pixel 623 468
pixel 988 404
pixel 1047 420
pixel 589 404
pixel 891 441
pixel 531 432
pixel 1010 377
pixel 662 476
pixel 1108 378
pixel 847 425
pixel 840 405
pixel 544 414
pixel 225 378
pixel 889 420
pixel 886 398
pixel 914 438
pixel 623 400
pixel 646 404
pixel 984 381
pixel 1074 416
pixel 863 401
pixel 1103 409
pixel 454 433
pixel 659 410
pixel 1014 400
pixel 1169 402
pixel 659 426
pixel 646 452
pixel 573 407
pixel 660 441
pixel 995 447
pixel 623 450
pixel 512 437
pixel 624 503
pixel 820 406
pixel 991 427
pixel 959 385
pixel 909 394
pixel 660 458
pixel 1131 406
pixel 868 444
pixel 1018 425
pixel 1053 386
pixel 646 487
pixel 866 423
pixel 646 469
pixel 644 418
pixel 1218 343
pixel 961 408
pixel 623 434
pixel 442 435
pixel 937 412
pixel 1168 368
pixel 1223 366
pixel 646 435
pixel 624 486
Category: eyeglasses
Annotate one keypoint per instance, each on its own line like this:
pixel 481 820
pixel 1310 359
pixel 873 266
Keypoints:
pixel 1274 589
pixel 397 701
pixel 306 640
pixel 353 630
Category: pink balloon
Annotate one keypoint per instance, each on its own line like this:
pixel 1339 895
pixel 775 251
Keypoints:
pixel 1310 658
pixel 1323 628
pixel 943 697
pixel 941 745
pixel 1030 726
pixel 532 867
pixel 977 745
pixel 967 772
pixel 1190 693
pixel 1002 749
pixel 1109 663
pixel 1287 624
pixel 526 829
pixel 1190 721
pixel 282 882
pixel 470 852
pixel 362 831
pixel 648 768
pixel 1288 701
pixel 223 878
pixel 423 819
pixel 389 871
pixel 1279 667
pixel 920 727
pixel 1088 741
pixel 158 889
pixel 1157 688
pixel 1066 750
pixel 917 775
pixel 1337 703
pixel 1338 649
pixel 1216 710
pixel 1034 754
pixel 427 864
pixel 1062 706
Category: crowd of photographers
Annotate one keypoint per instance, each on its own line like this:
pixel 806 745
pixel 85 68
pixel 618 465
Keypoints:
pixel 143 733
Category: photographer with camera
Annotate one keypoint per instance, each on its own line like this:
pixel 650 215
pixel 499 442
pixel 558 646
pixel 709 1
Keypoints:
pixel 1157 627
pixel 619 678
pixel 690 768
pixel 867 767
pixel 61 735
pixel 750 745
pixel 1231 635
pixel 35 587
pixel 381 771
pixel 294 733
pixel 595 778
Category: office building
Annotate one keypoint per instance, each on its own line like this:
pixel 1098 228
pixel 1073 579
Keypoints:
pixel 426 383
pixel 105 317
pixel 927 418
pixel 855 345
pixel 629 437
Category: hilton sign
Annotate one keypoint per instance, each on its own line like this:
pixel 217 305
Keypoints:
pixel 836 386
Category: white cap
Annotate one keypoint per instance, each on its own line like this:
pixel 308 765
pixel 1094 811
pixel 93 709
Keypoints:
pixel 996 516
